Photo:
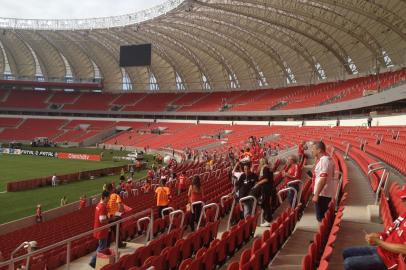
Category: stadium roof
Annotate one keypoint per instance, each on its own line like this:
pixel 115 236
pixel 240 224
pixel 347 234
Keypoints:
pixel 213 44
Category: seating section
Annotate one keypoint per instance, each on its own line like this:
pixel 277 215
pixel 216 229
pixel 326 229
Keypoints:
pixel 31 128
pixel 26 99
pixel 294 97
pixel 92 102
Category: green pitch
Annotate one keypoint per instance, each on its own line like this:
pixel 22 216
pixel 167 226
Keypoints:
pixel 16 205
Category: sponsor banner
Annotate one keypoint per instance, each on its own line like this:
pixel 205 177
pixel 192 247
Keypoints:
pixel 10 151
pixel 79 156
pixel 38 153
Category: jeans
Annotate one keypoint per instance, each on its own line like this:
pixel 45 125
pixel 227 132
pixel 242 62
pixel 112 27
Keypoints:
pixel 321 207
pixel 247 208
pixel 360 258
pixel 291 193
pixel 102 245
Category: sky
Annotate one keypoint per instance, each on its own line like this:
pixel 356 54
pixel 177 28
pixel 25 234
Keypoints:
pixel 71 9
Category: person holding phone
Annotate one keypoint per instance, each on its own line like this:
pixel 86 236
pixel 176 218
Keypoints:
pixel 384 247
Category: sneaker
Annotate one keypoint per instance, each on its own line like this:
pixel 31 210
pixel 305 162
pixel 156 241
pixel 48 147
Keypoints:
pixel 92 265
pixel 265 224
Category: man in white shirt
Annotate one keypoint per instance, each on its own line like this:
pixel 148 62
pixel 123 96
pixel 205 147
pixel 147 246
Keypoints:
pixel 54 180
pixel 324 182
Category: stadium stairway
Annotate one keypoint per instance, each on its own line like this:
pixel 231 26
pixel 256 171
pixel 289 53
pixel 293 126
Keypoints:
pixel 355 216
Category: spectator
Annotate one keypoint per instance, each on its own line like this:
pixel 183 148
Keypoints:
pixel 324 185
pixel 195 194
pixel 64 201
pixel 129 186
pixel 82 202
pixel 115 208
pixel 38 214
pixel 162 194
pixel 122 173
pixel 292 173
pixel 100 219
pixel 146 187
pixel 182 182
pixel 338 122
pixel 265 188
pixel 54 180
pixel 301 151
pixel 384 247
pixel 244 185
pixel 369 120
pixel 132 171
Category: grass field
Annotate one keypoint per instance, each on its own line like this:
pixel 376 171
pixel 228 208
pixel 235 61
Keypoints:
pixel 16 205
pixel 13 167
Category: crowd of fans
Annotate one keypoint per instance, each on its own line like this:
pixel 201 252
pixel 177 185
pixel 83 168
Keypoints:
pixel 255 173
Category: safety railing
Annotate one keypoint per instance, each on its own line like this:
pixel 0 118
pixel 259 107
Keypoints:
pixel 339 185
pixel 299 194
pixel 286 190
pixel 254 205
pixel 167 209
pixel 203 212
pixel 172 216
pixel 68 242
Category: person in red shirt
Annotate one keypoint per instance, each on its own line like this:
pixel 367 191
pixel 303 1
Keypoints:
pixel 384 247
pixel 82 202
pixel 100 219
pixel 292 172
pixel 182 182
pixel 38 214
pixel 301 151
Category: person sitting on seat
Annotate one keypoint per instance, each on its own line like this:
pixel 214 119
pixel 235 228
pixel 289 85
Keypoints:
pixel 384 247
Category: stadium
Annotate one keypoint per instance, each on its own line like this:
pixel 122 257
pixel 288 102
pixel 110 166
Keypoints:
pixel 204 135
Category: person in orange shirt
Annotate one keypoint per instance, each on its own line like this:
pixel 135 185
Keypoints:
pixel 162 194
pixel 115 209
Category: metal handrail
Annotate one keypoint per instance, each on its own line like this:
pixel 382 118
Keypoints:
pixel 375 163
pixel 382 181
pixel 246 198
pixel 148 236
pixel 203 212
pixel 339 185
pixel 171 217
pixel 347 150
pixel 171 209
pixel 117 223
pixel 230 215
pixel 300 182
pixel 287 190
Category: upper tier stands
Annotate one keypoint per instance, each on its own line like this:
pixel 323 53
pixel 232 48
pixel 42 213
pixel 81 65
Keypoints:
pixel 257 100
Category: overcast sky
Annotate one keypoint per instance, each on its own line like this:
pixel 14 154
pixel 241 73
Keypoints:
pixel 71 9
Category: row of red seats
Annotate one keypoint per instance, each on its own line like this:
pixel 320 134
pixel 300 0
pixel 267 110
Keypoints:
pixel 255 100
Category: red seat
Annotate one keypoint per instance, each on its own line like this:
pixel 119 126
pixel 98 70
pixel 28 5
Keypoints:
pixel 233 266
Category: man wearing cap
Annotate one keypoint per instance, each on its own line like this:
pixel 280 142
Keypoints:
pixel 384 247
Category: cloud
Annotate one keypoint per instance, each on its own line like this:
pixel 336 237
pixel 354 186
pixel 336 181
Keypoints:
pixel 71 9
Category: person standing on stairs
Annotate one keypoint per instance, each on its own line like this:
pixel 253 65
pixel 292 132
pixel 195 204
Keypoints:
pixel 195 194
pixel 384 247
pixel 324 184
